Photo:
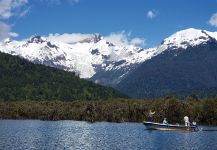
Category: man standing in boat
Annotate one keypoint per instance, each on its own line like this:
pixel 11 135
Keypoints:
pixel 186 119
pixel 150 116
pixel 165 121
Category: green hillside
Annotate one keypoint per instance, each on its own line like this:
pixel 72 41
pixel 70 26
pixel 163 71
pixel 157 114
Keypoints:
pixel 23 80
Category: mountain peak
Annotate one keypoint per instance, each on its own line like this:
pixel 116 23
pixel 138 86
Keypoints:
pixel 96 37
pixel 37 39
pixel 187 37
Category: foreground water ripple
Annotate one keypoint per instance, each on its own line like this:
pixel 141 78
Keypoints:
pixel 60 135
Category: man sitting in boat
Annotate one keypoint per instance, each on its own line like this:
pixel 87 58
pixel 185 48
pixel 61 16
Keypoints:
pixel 165 121
pixel 186 119
pixel 150 115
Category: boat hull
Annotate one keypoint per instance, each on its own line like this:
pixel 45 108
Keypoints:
pixel 169 127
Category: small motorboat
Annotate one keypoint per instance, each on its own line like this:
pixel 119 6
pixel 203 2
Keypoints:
pixel 169 127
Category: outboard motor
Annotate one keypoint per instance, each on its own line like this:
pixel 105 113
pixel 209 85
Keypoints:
pixel 194 123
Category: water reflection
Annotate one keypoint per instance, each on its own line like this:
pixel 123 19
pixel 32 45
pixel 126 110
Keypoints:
pixel 82 135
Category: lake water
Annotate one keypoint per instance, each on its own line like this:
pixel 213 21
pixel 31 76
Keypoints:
pixel 46 135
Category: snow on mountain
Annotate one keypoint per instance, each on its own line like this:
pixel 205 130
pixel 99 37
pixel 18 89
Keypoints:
pixel 189 37
pixel 93 56
pixel 82 57
pixel 186 65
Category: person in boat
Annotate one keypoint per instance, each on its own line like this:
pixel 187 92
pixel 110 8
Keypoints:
pixel 150 115
pixel 186 119
pixel 165 121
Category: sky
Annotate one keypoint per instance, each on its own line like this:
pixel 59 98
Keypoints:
pixel 142 23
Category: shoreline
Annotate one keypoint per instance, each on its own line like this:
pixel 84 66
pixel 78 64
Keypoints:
pixel 204 112
pixel 96 122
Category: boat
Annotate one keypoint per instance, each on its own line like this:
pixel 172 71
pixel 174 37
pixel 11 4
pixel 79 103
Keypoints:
pixel 169 127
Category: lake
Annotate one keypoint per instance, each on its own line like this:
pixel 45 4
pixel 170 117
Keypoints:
pixel 45 135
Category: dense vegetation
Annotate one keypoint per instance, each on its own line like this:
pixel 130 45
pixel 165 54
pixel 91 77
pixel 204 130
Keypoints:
pixel 202 111
pixel 23 80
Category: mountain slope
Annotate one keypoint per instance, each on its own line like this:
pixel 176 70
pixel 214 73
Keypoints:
pixel 182 63
pixel 93 58
pixel 186 65
pixel 23 80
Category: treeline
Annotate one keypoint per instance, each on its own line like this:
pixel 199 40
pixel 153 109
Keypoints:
pixel 203 111
pixel 22 80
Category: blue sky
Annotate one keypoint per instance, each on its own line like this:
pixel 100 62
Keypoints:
pixel 150 20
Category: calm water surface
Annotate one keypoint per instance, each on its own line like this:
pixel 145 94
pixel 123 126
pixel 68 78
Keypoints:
pixel 46 135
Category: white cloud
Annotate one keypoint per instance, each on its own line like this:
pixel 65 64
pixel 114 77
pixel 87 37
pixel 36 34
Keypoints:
pixel 123 39
pixel 138 41
pixel 151 14
pixel 24 12
pixel 5 9
pixel 13 34
pixel 117 38
pixel 4 31
pixel 213 20
pixel 8 8
pixel 69 38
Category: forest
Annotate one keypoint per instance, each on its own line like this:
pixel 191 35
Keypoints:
pixel 203 111
pixel 23 80
pixel 33 91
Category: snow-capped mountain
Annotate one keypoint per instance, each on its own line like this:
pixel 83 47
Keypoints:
pixel 87 58
pixel 105 63
pixel 187 38
pixel 185 64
